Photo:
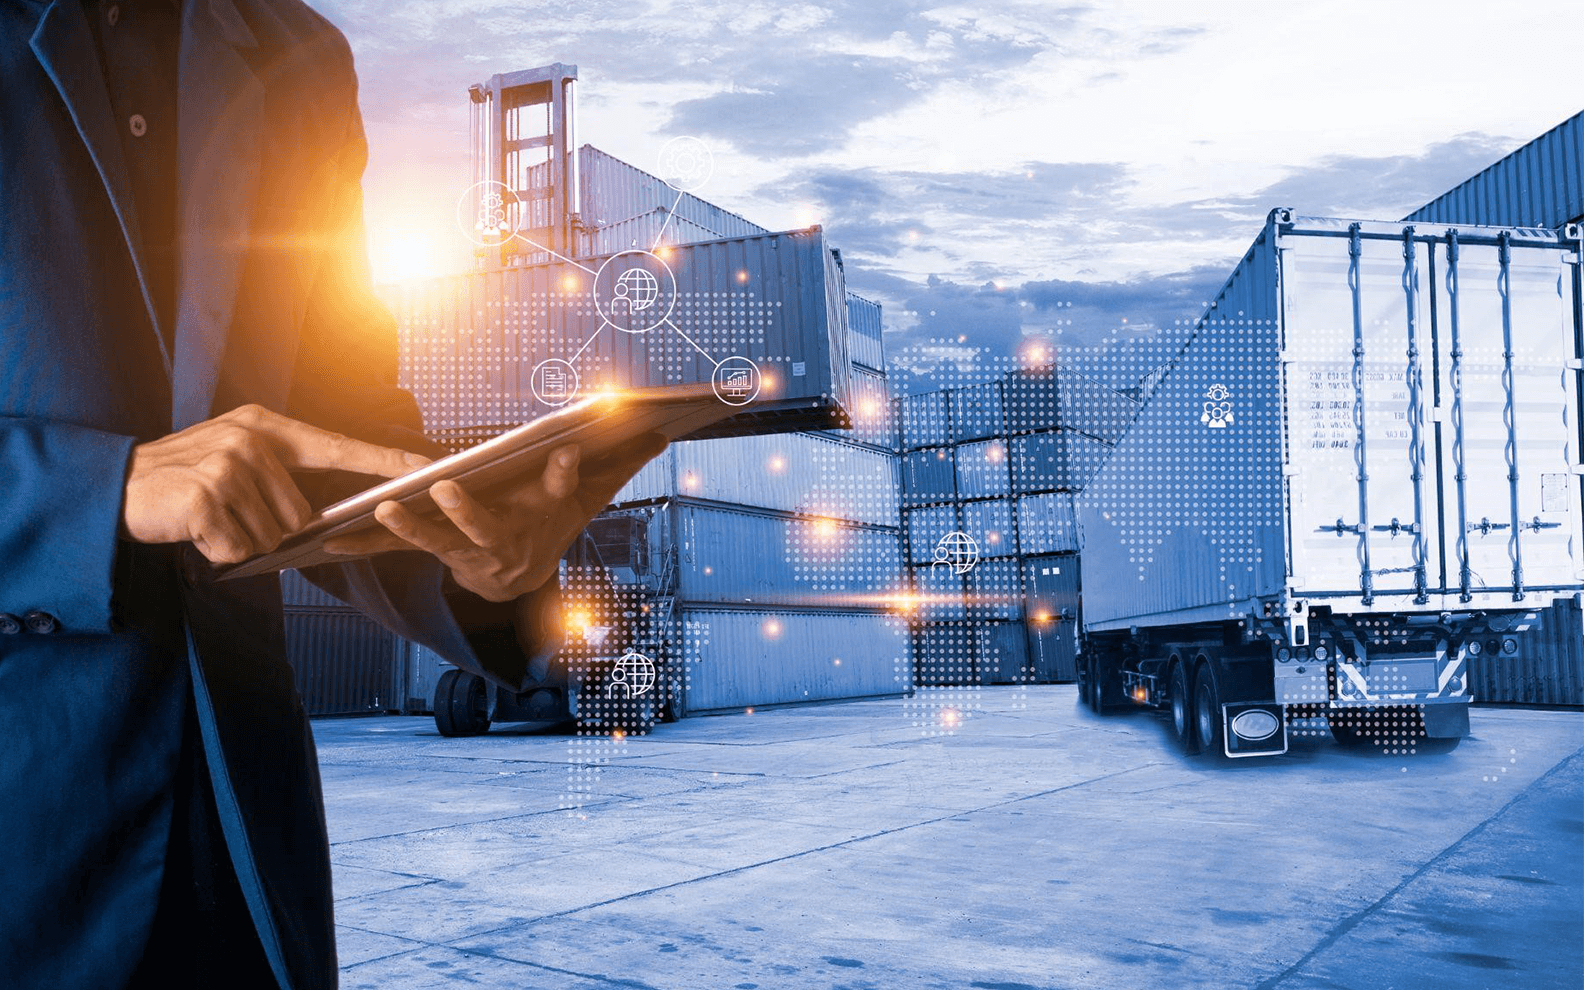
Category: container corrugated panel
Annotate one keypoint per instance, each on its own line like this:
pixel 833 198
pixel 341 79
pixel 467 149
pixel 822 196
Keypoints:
pixel 990 524
pixel 982 469
pixel 419 668
pixel 977 412
pixel 995 589
pixel 1539 185
pixel 1004 653
pixel 471 343
pixel 297 592
pixel 871 409
pixel 1094 409
pixel 924 420
pixel 1060 460
pixel 925 528
pixel 941 591
pixel 794 472
pixel 789 560
pixel 929 476
pixel 740 659
pixel 1045 524
pixel 1221 473
pixel 622 203
pixel 1053 615
pixel 342 662
pixel 1548 668
pixel 864 323
pixel 947 654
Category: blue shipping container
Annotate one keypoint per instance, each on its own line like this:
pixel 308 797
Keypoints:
pixel 929 476
pixel 924 420
pixel 982 469
pixel 1539 185
pixel 990 524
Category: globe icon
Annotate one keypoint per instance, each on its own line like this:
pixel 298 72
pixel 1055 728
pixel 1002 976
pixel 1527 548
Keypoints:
pixel 634 672
pixel 958 551
pixel 638 288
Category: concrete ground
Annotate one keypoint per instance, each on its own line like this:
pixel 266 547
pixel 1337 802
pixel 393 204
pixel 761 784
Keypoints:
pixel 1036 845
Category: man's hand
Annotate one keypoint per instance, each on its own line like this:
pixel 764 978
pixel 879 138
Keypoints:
pixel 512 543
pixel 225 484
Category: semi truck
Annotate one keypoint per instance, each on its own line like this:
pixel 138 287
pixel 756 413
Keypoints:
pixel 1360 470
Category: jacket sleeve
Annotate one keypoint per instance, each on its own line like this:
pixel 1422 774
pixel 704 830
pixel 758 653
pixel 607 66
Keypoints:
pixel 345 380
pixel 60 508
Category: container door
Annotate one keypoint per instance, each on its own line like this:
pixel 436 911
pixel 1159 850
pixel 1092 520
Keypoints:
pixel 1052 611
pixel 1505 320
pixel 1357 333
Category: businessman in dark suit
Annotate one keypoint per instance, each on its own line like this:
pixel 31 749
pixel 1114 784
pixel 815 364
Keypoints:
pixel 189 355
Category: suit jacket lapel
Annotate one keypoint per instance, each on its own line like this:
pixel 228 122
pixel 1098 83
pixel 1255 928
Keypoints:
pixel 63 43
pixel 220 108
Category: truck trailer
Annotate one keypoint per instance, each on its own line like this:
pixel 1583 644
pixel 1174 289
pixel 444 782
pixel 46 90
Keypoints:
pixel 1361 469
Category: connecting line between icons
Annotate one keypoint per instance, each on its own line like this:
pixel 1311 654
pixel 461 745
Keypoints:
pixel 592 337
pixel 690 340
pixel 660 237
pixel 553 254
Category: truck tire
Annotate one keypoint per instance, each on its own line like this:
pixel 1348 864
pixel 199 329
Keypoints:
pixel 461 705
pixel 1182 710
pixel 1207 710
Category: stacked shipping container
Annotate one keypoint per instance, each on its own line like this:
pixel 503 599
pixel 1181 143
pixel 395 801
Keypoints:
pixel 785 553
pixel 997 463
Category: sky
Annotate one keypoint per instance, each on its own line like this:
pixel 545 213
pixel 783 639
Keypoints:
pixel 991 172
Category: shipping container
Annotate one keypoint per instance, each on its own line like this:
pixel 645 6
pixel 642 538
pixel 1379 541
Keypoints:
pixel 735 556
pixel 925 422
pixel 1051 583
pixel 1544 666
pixel 870 407
pixel 1004 653
pixel 1361 464
pixel 1201 474
pixel 1539 185
pixel 501 347
pixel 342 662
pixel 1059 460
pixel 795 472
pixel 976 412
pixel 626 208
pixel 1045 524
pixel 995 589
pixel 947 654
pixel 926 529
pixel 982 469
pixel 990 524
pixel 941 593
pixel 929 476
pixel 742 659
pixel 866 329
pixel 1058 396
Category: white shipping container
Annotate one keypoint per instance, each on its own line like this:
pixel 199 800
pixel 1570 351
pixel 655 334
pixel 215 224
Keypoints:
pixel 1370 417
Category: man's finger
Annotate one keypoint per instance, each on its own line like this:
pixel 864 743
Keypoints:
pixel 282 495
pixel 440 540
pixel 477 523
pixel 560 477
pixel 309 448
pixel 246 504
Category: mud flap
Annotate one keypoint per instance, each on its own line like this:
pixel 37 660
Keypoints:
pixel 1446 721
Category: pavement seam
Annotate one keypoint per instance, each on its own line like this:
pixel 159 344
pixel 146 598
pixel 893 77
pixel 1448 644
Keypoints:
pixel 797 855
pixel 1354 920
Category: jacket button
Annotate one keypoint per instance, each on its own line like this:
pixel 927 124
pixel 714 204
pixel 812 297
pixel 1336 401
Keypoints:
pixel 10 625
pixel 40 622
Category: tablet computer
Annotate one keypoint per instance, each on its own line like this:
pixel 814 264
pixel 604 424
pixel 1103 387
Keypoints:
pixel 599 423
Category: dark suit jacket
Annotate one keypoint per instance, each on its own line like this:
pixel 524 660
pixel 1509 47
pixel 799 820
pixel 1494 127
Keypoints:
pixel 273 307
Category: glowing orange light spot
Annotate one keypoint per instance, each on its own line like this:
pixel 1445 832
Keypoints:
pixel 992 537
pixel 837 661
pixel 742 276
pixel 578 621
pixel 748 712
pixel 824 528
pixel 771 628
pixel 950 717
pixel 777 464
pixel 690 481
pixel 618 735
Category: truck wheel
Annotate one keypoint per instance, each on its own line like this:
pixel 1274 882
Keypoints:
pixel 1207 709
pixel 1182 710
pixel 461 705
